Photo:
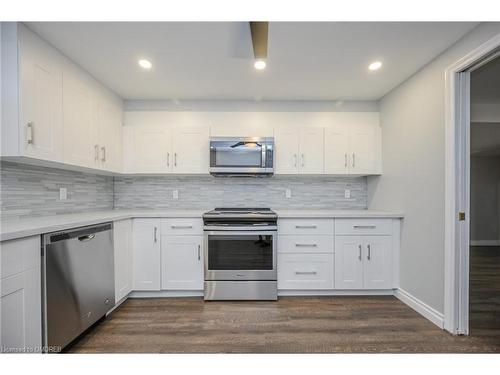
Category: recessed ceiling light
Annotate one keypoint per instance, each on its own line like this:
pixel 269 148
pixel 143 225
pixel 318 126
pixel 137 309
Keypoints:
pixel 145 64
pixel 259 64
pixel 376 65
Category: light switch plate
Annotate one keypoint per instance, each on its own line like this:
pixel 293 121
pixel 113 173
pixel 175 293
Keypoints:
pixel 347 193
pixel 63 194
pixel 288 193
pixel 175 194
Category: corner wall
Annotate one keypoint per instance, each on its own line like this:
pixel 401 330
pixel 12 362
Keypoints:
pixel 413 149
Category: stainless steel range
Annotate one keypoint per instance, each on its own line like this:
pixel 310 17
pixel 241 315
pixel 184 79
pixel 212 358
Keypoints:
pixel 240 254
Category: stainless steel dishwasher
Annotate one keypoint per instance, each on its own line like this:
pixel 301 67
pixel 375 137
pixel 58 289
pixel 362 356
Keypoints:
pixel 77 281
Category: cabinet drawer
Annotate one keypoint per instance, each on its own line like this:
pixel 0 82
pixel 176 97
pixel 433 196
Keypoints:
pixel 363 226
pixel 181 226
pixel 305 244
pixel 305 226
pixel 305 271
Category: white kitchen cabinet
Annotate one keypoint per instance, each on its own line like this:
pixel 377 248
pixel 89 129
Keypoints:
pixel 109 134
pixel 146 254
pixel 363 262
pixel 353 144
pixel 122 240
pixel 299 150
pixel 182 262
pixel 305 271
pixel 190 149
pixel 20 295
pixel 31 96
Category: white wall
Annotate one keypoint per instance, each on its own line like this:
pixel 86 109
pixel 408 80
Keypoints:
pixel 413 144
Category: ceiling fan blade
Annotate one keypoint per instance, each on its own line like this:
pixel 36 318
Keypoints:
pixel 259 31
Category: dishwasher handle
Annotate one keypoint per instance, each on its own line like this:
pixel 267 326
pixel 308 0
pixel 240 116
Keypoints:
pixel 86 238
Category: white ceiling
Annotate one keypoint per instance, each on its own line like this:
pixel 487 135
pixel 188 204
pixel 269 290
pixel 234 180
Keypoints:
pixel 306 61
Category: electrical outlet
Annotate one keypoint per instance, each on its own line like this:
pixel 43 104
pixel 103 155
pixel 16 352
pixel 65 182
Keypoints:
pixel 175 194
pixel 347 193
pixel 288 193
pixel 63 194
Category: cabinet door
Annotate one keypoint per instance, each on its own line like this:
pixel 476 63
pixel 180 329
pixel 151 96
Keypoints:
pixel 363 148
pixel 190 149
pixel 337 149
pixel 79 117
pixel 377 263
pixel 286 151
pixel 348 262
pixel 110 134
pixel 122 240
pixel 311 151
pixel 151 150
pixel 182 263
pixel 305 271
pixel 40 99
pixel 146 254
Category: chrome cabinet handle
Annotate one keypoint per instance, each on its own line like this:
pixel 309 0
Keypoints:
pixel 359 256
pixel 181 226
pixel 168 159
pixel 103 149
pixel 175 159
pixel 295 160
pixel 305 226
pixel 155 232
pixel 29 133
pixel 364 226
pixel 345 158
pixel 199 252
pixel 353 159
pixel 306 272
pixel 369 257
pixel 302 159
pixel 306 245
pixel 96 152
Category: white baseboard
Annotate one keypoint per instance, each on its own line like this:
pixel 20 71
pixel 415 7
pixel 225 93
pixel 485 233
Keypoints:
pixel 485 242
pixel 422 308
pixel 166 294
pixel 320 292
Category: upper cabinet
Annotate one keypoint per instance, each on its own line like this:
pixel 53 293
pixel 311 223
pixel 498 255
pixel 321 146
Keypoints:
pixel 54 110
pixel 159 142
pixel 299 150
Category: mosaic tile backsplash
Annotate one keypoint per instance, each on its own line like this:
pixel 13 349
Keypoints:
pixel 206 192
pixel 30 191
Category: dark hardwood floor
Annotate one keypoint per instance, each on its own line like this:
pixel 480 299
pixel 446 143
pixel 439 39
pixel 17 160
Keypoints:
pixel 299 325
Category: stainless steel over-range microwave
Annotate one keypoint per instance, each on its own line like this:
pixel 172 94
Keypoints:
pixel 242 156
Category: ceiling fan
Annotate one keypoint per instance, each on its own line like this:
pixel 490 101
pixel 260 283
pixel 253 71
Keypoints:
pixel 259 32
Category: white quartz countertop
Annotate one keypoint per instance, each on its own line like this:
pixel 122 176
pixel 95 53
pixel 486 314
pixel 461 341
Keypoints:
pixel 10 230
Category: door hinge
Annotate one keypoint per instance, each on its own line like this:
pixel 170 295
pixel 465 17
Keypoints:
pixel 461 216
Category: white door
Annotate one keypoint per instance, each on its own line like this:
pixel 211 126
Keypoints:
pixel 151 149
pixel 182 263
pixel 337 149
pixel 122 240
pixel 40 99
pixel 311 150
pixel 286 150
pixel 146 254
pixel 190 149
pixel 377 263
pixel 363 141
pixel 348 262
pixel 79 117
pixel 21 311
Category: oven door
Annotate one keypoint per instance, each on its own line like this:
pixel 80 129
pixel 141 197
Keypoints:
pixel 241 155
pixel 240 255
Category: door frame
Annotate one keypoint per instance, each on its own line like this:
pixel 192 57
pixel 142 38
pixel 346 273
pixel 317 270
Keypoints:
pixel 457 186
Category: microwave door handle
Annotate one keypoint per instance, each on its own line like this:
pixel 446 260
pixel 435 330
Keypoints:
pixel 263 165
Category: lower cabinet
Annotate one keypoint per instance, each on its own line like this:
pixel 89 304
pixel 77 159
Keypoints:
pixel 122 239
pixel 20 295
pixel 146 254
pixel 363 262
pixel 305 271
pixel 182 262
